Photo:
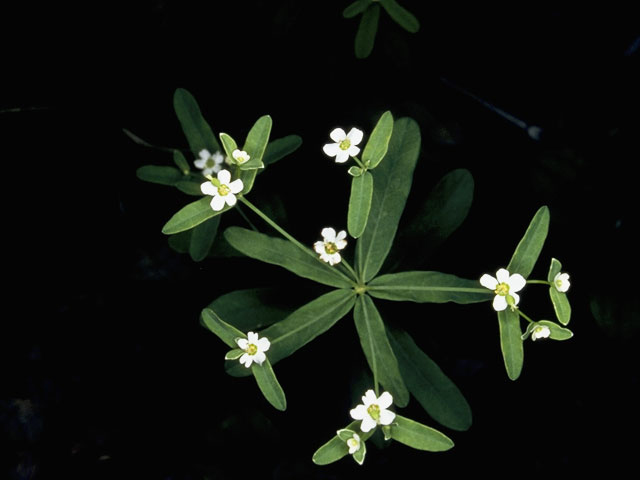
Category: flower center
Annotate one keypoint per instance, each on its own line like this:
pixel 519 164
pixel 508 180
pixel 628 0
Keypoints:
pixel 223 190
pixel 252 349
pixel 374 411
pixel 559 283
pixel 331 248
pixel 210 163
pixel 345 144
pixel 502 289
pixel 353 443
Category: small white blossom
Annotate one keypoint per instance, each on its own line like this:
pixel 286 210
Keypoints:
pixel 561 282
pixel 254 349
pixel 373 410
pixel 330 245
pixel 240 156
pixel 505 287
pixel 354 443
pixel 345 144
pixel 540 331
pixel 224 192
pixel 209 163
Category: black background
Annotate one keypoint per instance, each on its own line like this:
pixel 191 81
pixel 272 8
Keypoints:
pixel 106 372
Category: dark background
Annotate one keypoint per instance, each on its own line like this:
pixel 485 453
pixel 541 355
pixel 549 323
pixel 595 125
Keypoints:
pixel 106 372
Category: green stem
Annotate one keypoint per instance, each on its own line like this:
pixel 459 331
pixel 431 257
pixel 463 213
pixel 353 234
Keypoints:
pixel 286 235
pixel 526 317
pixel 246 219
pixel 539 282
pixel 360 164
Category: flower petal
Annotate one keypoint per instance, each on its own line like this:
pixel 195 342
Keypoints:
pixel 369 397
pixel 499 303
pixel 230 198
pixel 502 275
pixel 367 424
pixel 385 400
pixel 263 344
pixel 209 188
pixel 243 343
pixel 217 203
pixel 236 186
pixel 334 258
pixel 337 135
pixel 259 358
pixel 201 163
pixel 386 417
pixel 516 282
pixel 224 176
pixel 246 360
pixel 342 156
pixel 252 337
pixel 204 154
pixel 359 412
pixel 488 281
pixel 328 234
pixel 319 247
pixel 353 150
pixel 342 234
pixel 331 149
pixel 340 244
pixel 355 136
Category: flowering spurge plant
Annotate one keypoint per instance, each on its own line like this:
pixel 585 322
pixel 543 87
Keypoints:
pixel 374 266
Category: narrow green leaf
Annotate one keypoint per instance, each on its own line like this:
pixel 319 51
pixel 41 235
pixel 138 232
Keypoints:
pixel 191 215
pixel 401 15
pixel 303 325
pixel 511 342
pixel 280 148
pixel 234 354
pixel 437 394
pixel 202 238
pixel 285 254
pixel 227 333
pixel 527 252
pixel 159 174
pixel 256 143
pixel 269 385
pixel 392 180
pixel 427 286
pixel 359 203
pixel 378 142
pixel 419 436
pixel 181 162
pixel 190 187
pixel 366 34
pixel 559 300
pixel 356 8
pixel 180 241
pixel 336 448
pixel 377 349
pixel 355 171
pixel 228 143
pixel 195 127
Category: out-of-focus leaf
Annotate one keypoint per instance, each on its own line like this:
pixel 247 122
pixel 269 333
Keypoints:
pixel 202 238
pixel 401 15
pixel 195 127
pixel 366 34
pixel 356 8
pixel 280 148
pixel 161 175
pixel 181 162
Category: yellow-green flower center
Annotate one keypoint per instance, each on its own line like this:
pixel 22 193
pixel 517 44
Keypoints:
pixel 331 248
pixel 210 163
pixel 559 283
pixel 252 349
pixel 353 443
pixel 374 411
pixel 502 289
pixel 223 190
pixel 345 144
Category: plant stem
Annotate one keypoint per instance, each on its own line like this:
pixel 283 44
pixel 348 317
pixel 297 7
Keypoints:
pixel 360 164
pixel 539 282
pixel 246 219
pixel 525 316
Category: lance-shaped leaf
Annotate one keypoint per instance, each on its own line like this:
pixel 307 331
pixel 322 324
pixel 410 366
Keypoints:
pixel 228 143
pixel 181 162
pixel 256 143
pixel 191 215
pixel 356 8
pixel 359 203
pixel 427 286
pixel 437 394
pixel 392 180
pixel 191 186
pixel 303 325
pixel 195 127
pixel 202 238
pixel 419 436
pixel 268 384
pixel 528 250
pixel 281 147
pixel 337 448
pixel 226 332
pixel 559 299
pixel 556 332
pixel 401 15
pixel 161 175
pixel 377 349
pixel 511 342
pixel 285 254
pixel 378 142
pixel 367 29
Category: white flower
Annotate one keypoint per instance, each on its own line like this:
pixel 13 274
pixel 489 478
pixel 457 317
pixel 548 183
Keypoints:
pixel 540 331
pixel 345 144
pixel 373 411
pixel 354 443
pixel 224 192
pixel 240 156
pixel 254 349
pixel 561 282
pixel 209 163
pixel 330 244
pixel 505 287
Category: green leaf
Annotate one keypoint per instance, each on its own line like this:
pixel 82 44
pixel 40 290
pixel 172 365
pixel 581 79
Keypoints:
pixel 202 238
pixel 355 171
pixel 437 394
pixel 191 215
pixel 256 143
pixel 427 286
pixel 356 8
pixel 181 162
pixel 303 325
pixel 366 34
pixel 280 148
pixel 180 241
pixel 195 127
pixel 419 436
pixel 359 203
pixel 268 384
pixel 285 254
pixel 378 142
pixel 392 180
pixel 234 354
pixel 527 252
pixel 227 333
pixel 401 15
pixel 229 144
pixel 336 448
pixel 511 342
pixel 559 300
pixel 159 174
pixel 190 187
pixel 377 349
